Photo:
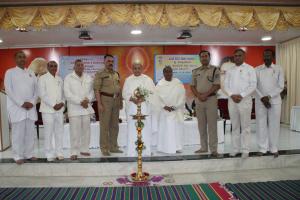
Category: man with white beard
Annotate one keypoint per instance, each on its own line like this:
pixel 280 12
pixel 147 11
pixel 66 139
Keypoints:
pixel 52 107
pixel 78 89
pixel 270 83
pixel 171 95
pixel 21 89
pixel 137 79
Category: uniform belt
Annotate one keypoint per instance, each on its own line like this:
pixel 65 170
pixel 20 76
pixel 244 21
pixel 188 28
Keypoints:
pixel 109 95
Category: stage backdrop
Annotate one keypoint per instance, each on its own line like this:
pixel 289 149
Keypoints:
pixel 126 55
pixel 92 64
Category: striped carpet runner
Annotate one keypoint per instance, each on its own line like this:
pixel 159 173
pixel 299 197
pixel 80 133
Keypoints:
pixel 213 191
pixel 273 190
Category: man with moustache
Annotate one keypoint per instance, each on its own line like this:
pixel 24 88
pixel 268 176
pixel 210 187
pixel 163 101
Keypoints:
pixel 78 90
pixel 240 83
pixel 270 83
pixel 21 89
pixel 205 83
pixel 52 107
pixel 109 100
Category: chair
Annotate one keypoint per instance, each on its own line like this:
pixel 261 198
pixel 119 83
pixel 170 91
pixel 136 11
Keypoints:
pixel 253 116
pixel 95 107
pixel 224 112
pixel 39 121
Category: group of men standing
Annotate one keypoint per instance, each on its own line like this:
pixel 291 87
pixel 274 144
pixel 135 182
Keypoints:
pixel 241 82
pixel 23 89
pixel 164 107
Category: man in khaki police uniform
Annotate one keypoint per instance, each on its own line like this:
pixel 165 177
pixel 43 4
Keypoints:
pixel 109 98
pixel 205 83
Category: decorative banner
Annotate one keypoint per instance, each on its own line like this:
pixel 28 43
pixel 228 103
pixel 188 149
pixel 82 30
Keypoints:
pixel 92 64
pixel 182 66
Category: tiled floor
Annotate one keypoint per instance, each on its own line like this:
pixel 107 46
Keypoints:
pixel 288 140
pixel 170 179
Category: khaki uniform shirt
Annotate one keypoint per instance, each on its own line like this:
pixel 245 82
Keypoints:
pixel 203 78
pixel 108 82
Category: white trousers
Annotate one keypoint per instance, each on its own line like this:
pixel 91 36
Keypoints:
pixel 170 134
pixel 268 127
pixel 240 117
pixel 132 136
pixel 23 139
pixel 80 131
pixel 53 130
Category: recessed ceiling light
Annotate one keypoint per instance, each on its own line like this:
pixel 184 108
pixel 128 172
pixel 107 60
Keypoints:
pixel 136 32
pixel 266 38
pixel 243 29
pixel 1 40
pixel 21 29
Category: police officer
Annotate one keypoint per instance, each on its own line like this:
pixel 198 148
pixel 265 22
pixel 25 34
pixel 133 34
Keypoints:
pixel 109 100
pixel 205 83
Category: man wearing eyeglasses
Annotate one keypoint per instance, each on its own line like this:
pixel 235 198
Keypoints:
pixel 205 83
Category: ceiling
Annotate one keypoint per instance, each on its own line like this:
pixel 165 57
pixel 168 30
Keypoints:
pixel 152 35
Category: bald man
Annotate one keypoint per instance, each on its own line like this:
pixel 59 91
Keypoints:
pixel 137 79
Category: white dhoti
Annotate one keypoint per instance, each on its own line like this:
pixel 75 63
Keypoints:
pixel 80 131
pixel 132 132
pixel 23 139
pixel 240 116
pixel 53 130
pixel 268 127
pixel 170 134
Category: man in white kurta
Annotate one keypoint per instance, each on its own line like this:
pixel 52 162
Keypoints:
pixel 240 83
pixel 21 89
pixel 137 79
pixel 171 95
pixel 270 83
pixel 78 90
pixel 52 107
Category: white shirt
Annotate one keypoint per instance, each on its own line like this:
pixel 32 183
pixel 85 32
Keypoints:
pixel 133 82
pixel 76 89
pixel 240 80
pixel 270 82
pixel 20 86
pixel 50 92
